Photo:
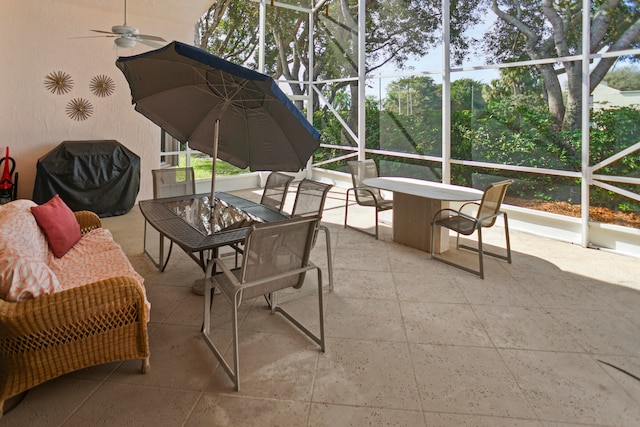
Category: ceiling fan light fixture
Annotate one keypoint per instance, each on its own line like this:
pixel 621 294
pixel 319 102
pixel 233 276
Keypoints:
pixel 125 42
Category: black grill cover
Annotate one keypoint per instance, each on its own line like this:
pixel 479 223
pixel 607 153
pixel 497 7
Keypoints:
pixel 100 176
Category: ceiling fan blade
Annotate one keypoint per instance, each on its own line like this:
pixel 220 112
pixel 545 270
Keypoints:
pixel 148 37
pixel 92 37
pixel 151 43
pixel 102 32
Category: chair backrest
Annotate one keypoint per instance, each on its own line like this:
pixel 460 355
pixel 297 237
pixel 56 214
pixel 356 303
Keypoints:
pixel 361 170
pixel 276 248
pixel 170 182
pixel 310 198
pixel 491 202
pixel 275 190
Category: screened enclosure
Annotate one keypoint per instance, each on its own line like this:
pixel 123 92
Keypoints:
pixel 459 92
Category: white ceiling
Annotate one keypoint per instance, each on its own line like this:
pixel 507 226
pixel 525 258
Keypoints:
pixel 183 10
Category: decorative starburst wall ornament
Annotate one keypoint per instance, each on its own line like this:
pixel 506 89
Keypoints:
pixel 79 109
pixel 58 82
pixel 102 86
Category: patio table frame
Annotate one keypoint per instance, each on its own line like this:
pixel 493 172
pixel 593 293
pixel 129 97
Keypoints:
pixel 192 240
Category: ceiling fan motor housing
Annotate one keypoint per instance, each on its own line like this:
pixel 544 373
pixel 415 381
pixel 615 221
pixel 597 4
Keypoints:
pixel 124 30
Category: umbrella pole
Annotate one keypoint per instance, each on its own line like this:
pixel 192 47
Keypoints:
pixel 216 133
pixel 212 199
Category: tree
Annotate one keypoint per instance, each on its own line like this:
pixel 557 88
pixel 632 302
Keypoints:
pixel 625 78
pixel 466 94
pixel 396 30
pixel 413 96
pixel 228 30
pixel 515 83
pixel 532 29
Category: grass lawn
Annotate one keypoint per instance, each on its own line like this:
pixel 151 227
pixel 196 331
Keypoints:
pixel 202 167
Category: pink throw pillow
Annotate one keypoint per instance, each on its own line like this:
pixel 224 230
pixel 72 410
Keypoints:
pixel 59 225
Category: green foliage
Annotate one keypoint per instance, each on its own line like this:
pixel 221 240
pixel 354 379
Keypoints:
pixel 512 131
pixel 466 94
pixel 624 78
pixel 202 166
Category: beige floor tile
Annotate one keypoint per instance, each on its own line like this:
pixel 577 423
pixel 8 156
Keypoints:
pixel 113 405
pixel 565 293
pixel 431 287
pixel 280 366
pixel 366 373
pixel 51 403
pixel 504 290
pixel 179 360
pixel 408 260
pixel 361 259
pixel 355 416
pixel 364 284
pixel 625 370
pixel 304 308
pixel 458 420
pixel 531 328
pixel 601 332
pixel 363 318
pixel 570 387
pixel 222 410
pixel 439 323
pixel 467 380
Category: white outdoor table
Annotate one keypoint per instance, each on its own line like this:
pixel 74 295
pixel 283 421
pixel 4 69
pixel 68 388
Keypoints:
pixel 415 201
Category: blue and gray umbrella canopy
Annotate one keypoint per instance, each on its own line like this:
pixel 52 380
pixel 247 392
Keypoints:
pixel 220 108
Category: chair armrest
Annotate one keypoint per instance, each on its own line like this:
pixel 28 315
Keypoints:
pixel 438 214
pixel 227 272
pixel 88 221
pixel 464 205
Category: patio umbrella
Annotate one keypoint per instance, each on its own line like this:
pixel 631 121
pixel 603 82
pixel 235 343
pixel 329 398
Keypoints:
pixel 220 108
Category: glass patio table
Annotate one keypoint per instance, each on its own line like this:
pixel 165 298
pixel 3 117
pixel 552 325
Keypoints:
pixel 415 202
pixel 185 220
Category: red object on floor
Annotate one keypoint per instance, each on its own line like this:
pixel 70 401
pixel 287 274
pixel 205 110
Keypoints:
pixel 6 184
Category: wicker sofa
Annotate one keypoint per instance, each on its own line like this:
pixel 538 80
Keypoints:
pixel 77 326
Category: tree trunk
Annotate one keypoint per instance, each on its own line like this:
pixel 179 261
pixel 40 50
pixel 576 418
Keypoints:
pixel 573 115
pixel 553 91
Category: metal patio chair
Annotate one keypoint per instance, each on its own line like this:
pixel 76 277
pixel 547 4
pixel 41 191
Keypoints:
pixel 276 257
pixel 310 199
pixel 488 210
pixel 365 195
pixel 169 182
pixel 275 190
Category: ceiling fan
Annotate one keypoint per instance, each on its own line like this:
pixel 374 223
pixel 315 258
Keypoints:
pixel 126 36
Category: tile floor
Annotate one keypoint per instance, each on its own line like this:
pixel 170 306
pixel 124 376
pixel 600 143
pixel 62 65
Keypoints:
pixel 410 342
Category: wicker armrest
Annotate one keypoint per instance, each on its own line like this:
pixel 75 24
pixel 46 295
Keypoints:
pixel 55 334
pixel 88 221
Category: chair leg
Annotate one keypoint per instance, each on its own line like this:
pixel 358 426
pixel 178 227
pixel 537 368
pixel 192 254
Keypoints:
pixel 206 329
pixel 346 210
pixel 236 355
pixel 506 234
pixel 329 260
pixel 315 338
pixel 434 257
pixel 481 264
pixel 376 223
pixel 146 365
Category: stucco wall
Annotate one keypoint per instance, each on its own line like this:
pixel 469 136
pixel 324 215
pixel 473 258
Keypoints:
pixel 37 38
